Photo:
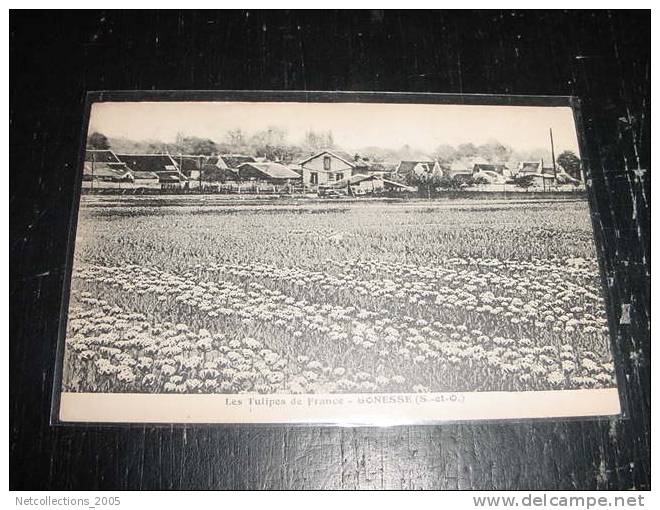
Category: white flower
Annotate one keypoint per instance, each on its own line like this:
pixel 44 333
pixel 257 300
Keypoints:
pixel 556 378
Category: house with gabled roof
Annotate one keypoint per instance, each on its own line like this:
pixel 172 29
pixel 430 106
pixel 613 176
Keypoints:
pixel 106 157
pixel 224 168
pixel 106 172
pixel 499 168
pixel 104 166
pixel 330 166
pixel 407 169
pixel 545 175
pixel 162 165
pixel 538 168
pixel 491 173
pixel 267 172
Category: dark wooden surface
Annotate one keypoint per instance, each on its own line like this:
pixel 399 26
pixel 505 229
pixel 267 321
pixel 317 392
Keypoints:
pixel 603 57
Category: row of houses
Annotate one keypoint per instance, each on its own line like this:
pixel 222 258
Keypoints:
pixel 183 171
pixel 327 169
pixel 541 175
pixel 323 169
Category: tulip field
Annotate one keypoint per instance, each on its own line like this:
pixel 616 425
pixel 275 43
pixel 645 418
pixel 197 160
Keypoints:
pixel 307 296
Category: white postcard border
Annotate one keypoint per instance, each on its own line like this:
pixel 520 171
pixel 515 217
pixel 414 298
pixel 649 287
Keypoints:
pixel 346 409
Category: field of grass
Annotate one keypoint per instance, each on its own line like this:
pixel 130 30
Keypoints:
pixel 322 297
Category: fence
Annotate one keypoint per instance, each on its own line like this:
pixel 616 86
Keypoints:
pixel 191 187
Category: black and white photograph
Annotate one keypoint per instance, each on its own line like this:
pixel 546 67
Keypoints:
pixel 329 248
pixel 283 261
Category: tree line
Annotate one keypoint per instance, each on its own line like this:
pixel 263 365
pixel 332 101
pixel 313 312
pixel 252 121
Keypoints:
pixel 271 143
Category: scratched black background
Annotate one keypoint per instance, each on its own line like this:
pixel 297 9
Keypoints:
pixel 602 57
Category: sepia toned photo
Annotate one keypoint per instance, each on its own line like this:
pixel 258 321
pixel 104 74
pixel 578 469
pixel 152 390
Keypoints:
pixel 339 262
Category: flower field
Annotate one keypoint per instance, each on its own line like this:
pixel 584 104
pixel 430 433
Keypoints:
pixel 336 297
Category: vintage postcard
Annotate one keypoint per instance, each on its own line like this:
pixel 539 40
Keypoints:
pixel 369 259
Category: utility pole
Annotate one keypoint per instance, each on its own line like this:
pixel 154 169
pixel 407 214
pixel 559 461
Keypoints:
pixel 554 165
pixel 93 161
pixel 181 168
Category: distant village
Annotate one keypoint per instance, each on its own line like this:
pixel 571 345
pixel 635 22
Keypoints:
pixel 330 173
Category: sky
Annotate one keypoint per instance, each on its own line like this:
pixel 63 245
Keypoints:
pixel 354 125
